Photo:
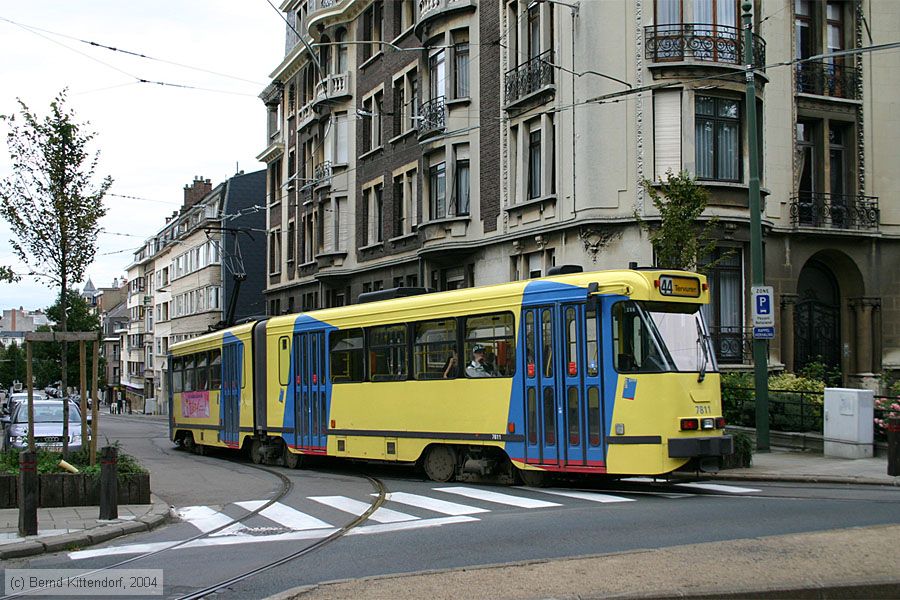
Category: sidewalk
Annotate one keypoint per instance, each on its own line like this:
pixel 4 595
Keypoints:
pixel 65 528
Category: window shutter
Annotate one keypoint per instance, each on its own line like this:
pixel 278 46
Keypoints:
pixel 666 132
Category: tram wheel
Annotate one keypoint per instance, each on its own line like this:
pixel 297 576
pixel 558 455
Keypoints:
pixel 533 478
pixel 188 442
pixel 292 460
pixel 199 449
pixel 440 463
pixel 256 454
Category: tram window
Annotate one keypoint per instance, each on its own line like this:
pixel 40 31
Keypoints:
pixel 529 344
pixel 284 360
pixel 635 345
pixel 590 323
pixel 532 416
pixel 547 342
pixel 571 343
pixel 215 369
pixel 189 373
pixel 593 395
pixel 496 335
pixel 177 373
pixel 572 417
pixel 549 417
pixel 201 372
pixel 434 350
pixel 387 353
pixel 347 358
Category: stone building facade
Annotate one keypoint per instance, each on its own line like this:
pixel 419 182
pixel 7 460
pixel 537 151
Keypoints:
pixel 451 143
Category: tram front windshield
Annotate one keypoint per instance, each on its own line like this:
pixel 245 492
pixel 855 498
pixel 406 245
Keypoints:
pixel 658 337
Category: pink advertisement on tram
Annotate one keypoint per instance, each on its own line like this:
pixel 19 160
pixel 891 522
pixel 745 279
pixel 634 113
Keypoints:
pixel 195 405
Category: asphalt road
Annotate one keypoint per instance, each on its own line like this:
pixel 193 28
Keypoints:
pixel 437 526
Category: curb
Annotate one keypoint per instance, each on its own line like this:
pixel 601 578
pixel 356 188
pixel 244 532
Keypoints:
pixel 158 515
pixel 847 480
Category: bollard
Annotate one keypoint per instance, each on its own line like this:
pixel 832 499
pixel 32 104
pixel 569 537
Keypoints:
pixel 893 436
pixel 28 494
pixel 109 492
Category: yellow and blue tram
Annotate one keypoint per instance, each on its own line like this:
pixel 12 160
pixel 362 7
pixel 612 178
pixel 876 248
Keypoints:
pixel 608 372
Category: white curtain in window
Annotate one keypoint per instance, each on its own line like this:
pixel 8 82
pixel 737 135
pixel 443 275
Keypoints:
pixel 666 132
pixel 705 147
pixel 728 140
pixel 668 12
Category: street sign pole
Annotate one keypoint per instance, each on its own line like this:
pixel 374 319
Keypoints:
pixel 760 358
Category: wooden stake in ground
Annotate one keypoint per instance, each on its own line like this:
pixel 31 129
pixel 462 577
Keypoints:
pixel 82 356
pixel 95 414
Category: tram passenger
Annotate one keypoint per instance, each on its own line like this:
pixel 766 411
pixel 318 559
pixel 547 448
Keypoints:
pixel 450 366
pixel 479 367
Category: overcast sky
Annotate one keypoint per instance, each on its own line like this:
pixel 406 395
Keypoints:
pixel 153 139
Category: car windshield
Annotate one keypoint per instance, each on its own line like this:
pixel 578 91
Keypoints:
pixel 48 413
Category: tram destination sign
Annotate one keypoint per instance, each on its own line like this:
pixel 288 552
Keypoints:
pixel 685 287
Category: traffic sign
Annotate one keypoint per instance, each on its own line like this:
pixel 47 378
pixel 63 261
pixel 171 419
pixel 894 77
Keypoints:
pixel 763 333
pixel 763 308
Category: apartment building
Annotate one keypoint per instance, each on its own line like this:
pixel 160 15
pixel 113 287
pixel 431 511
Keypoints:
pixel 203 267
pixel 451 143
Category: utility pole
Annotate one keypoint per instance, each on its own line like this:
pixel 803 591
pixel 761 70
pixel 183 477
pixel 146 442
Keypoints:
pixel 758 277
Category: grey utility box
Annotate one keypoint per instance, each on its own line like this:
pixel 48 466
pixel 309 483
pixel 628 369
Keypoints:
pixel 849 422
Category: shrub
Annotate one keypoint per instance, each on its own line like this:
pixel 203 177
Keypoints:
pixel 48 462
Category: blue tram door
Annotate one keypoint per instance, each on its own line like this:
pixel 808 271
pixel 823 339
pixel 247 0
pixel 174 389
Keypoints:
pixel 311 403
pixel 582 413
pixel 541 383
pixel 230 400
pixel 563 408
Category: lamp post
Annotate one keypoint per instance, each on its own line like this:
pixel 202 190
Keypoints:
pixel 760 351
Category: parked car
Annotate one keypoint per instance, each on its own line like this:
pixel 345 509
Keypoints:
pixel 20 397
pixel 48 426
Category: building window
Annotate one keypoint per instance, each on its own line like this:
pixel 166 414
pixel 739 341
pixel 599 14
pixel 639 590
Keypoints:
pixel 461 180
pixel 461 70
pixel 404 202
pixel 341 62
pixel 275 251
pixel 718 138
pixel 725 311
pixel 372 114
pixel 372 30
pixel 292 234
pixel 378 221
pixel 406 102
pixel 534 163
pixel 437 191
pixel 437 74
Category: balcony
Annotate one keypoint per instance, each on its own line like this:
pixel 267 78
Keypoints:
pixel 333 87
pixel 430 9
pixel 322 174
pixel 700 42
pixel 825 79
pixel 835 212
pixel 432 118
pixel 529 79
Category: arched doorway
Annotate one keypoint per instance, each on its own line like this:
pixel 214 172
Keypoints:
pixel 817 317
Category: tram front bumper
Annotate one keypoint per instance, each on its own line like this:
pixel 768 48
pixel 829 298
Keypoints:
pixel 720 445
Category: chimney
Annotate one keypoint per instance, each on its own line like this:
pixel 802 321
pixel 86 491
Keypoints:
pixel 194 193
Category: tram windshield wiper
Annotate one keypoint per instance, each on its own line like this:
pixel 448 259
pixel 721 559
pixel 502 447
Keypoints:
pixel 704 349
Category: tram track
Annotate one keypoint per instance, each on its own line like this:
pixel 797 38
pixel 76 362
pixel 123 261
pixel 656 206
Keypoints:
pixel 286 487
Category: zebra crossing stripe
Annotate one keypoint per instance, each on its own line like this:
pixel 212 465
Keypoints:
pixel 715 487
pixel 285 515
pixel 497 497
pixel 435 505
pixel 281 537
pixel 355 507
pixel 204 518
pixel 590 496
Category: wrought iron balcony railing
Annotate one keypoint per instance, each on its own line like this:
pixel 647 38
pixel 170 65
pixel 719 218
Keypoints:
pixel 322 173
pixel 701 42
pixel 835 211
pixel 825 79
pixel 432 117
pixel 733 345
pixel 529 77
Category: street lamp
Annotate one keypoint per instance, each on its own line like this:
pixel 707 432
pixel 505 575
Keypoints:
pixel 758 278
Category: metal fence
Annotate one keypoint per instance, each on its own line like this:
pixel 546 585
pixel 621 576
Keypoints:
pixel 793 410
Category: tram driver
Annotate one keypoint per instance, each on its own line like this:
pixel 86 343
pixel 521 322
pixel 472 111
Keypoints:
pixel 479 367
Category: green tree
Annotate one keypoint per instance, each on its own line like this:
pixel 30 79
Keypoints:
pixel 52 202
pixel 48 357
pixel 7 275
pixel 680 241
pixel 12 366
